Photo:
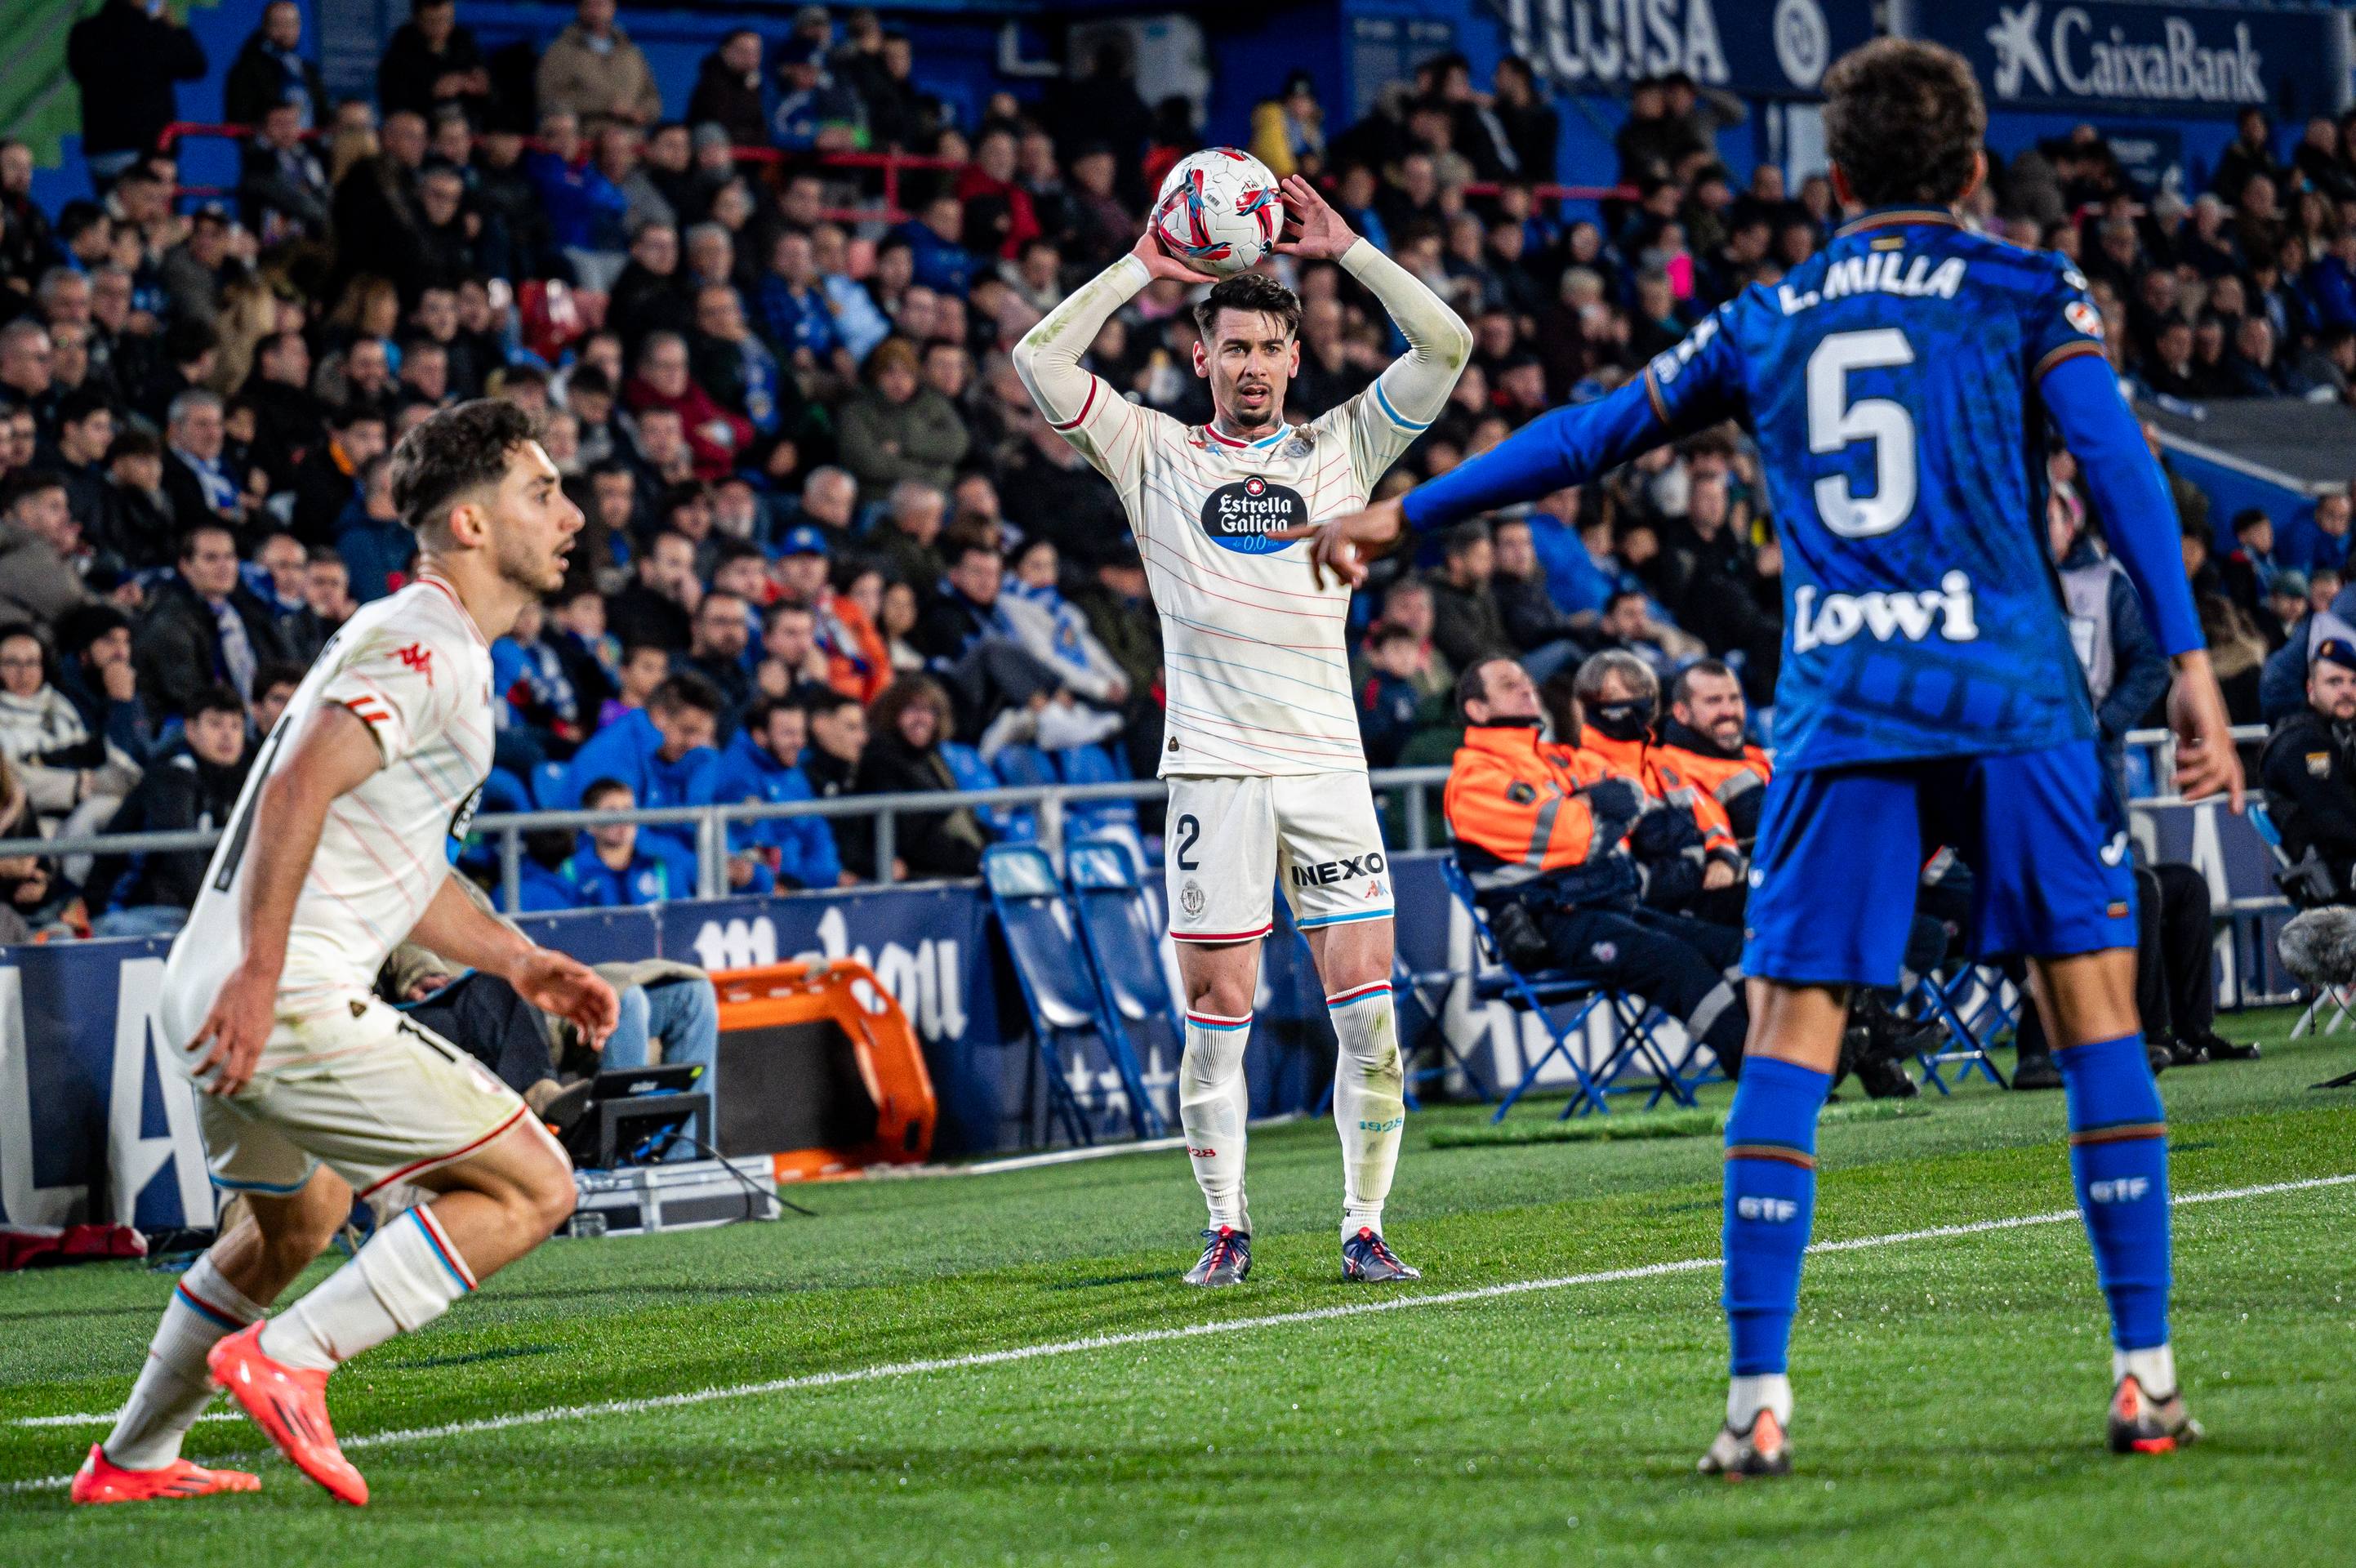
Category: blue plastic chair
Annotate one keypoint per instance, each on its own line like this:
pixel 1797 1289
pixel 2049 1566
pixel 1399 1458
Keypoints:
pixel 1123 937
pixel 1065 998
pixel 1014 824
pixel 1545 994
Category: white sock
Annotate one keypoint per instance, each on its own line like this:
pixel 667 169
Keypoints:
pixel 406 1276
pixel 174 1387
pixel 2154 1368
pixel 1214 1103
pixel 1369 1103
pixel 1745 1397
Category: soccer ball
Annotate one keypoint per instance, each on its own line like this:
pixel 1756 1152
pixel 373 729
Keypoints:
pixel 1219 211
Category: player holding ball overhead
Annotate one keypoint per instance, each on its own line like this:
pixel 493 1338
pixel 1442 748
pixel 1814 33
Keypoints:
pixel 1267 781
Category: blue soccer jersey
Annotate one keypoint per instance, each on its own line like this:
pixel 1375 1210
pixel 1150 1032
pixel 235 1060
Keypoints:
pixel 1897 385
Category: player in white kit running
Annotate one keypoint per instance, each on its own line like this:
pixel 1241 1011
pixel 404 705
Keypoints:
pixel 1267 781
pixel 312 1090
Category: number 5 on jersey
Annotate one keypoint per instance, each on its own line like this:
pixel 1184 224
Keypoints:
pixel 1835 422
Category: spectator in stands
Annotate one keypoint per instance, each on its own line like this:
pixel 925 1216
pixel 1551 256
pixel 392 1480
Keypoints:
pixel 1388 702
pixel 95 673
pixel 618 868
pixel 197 481
pixel 2319 540
pixel 203 626
pixel 39 540
pixel 911 720
pixel 125 58
pixel 838 741
pixel 1467 626
pixel 763 765
pixel 662 753
pixel 722 631
pixel 270 71
pixel 715 436
pixel 594 72
pixel 814 113
pixel 192 786
pixel 432 61
pixel 74 778
pixel 1702 736
pixel 897 428
pixel 728 91
pixel 858 664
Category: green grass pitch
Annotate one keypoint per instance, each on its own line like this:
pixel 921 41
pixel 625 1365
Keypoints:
pixel 1951 1387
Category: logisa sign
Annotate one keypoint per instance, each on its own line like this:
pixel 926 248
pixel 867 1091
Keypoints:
pixel 1771 49
pixel 2152 58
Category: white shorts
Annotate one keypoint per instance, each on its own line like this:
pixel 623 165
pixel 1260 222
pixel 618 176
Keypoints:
pixel 1230 841
pixel 391 1102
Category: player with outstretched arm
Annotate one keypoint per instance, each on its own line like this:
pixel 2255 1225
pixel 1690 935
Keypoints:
pixel 312 1090
pixel 1268 779
pixel 1898 386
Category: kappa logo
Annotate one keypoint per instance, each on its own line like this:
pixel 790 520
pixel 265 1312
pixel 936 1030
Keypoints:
pixel 420 658
pixel 1767 1210
pixel 1348 869
pixel 2119 1189
pixel 1375 888
pixel 1241 516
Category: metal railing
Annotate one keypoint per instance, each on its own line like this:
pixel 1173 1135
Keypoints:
pixel 1053 802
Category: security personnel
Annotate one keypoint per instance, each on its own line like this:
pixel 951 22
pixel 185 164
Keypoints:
pixel 1554 839
pixel 1701 741
pixel 1619 696
pixel 2308 769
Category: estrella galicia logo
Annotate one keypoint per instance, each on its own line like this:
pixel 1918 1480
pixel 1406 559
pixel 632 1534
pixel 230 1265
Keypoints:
pixel 1241 516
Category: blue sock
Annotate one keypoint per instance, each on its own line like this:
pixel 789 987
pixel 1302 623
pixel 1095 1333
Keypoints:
pixel 2118 1154
pixel 1770 1203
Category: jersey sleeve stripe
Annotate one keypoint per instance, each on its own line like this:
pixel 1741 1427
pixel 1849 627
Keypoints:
pixel 1653 396
pixel 2060 352
pixel 1088 403
pixel 1395 417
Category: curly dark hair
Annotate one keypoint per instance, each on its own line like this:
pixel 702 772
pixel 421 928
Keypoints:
pixel 458 450
pixel 1248 291
pixel 1905 122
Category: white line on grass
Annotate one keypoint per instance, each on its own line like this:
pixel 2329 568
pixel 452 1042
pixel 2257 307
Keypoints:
pixel 892 1369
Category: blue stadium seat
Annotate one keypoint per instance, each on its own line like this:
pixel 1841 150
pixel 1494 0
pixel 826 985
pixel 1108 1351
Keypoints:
pixel 1065 998
pixel 548 786
pixel 1636 1054
pixel 1123 936
pixel 1017 824
pixel 1020 766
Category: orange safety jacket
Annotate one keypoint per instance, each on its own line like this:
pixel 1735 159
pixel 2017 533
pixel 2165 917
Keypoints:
pixel 1662 775
pixel 1528 814
pixel 1737 783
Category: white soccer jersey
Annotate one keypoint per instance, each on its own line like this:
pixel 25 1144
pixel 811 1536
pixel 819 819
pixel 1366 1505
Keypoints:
pixel 1256 670
pixel 415 668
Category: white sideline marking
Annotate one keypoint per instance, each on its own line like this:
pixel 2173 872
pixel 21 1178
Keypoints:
pixel 893 1370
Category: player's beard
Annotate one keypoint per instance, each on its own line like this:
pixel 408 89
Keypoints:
pixel 530 566
pixel 1268 415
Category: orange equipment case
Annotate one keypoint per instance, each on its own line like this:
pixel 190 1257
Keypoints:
pixel 773 1014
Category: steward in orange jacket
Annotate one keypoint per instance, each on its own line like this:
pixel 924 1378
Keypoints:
pixel 1701 738
pixel 1618 697
pixel 1555 845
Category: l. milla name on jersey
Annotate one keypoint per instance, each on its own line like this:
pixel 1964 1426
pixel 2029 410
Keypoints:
pixel 1242 515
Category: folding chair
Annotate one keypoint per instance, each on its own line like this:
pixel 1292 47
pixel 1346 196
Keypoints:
pixel 1113 820
pixel 1066 1001
pixel 2340 997
pixel 1541 993
pixel 1124 948
pixel 1973 1019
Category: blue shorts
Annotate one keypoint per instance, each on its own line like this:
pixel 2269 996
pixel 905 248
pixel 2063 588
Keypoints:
pixel 1841 850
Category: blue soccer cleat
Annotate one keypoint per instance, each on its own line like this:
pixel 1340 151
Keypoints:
pixel 1226 1260
pixel 1367 1259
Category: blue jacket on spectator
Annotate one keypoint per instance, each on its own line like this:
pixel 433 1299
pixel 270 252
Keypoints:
pixel 938 265
pixel 543 889
pixel 583 209
pixel 805 845
pixel 791 321
pixel 373 548
pixel 629 750
pixel 649 878
pixel 2299 545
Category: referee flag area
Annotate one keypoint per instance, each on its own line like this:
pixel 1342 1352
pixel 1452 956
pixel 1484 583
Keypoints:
pixel 1004 1367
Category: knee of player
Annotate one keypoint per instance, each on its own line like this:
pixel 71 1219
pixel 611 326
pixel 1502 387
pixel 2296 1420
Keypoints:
pixel 548 1199
pixel 287 1249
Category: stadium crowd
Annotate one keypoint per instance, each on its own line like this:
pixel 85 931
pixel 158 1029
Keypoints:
pixel 830 546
